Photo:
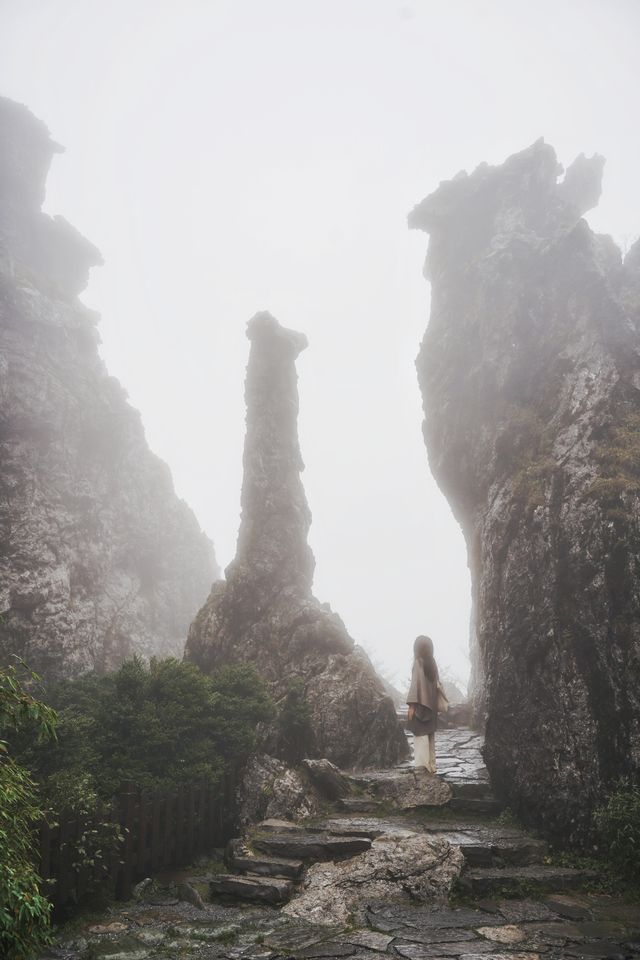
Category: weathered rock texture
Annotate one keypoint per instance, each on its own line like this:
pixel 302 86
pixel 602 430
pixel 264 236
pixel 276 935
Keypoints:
pixel 271 790
pixel 530 377
pixel 265 612
pixel 98 557
pixel 413 865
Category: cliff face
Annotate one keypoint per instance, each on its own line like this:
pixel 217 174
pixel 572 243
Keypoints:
pixel 530 377
pixel 265 612
pixel 98 557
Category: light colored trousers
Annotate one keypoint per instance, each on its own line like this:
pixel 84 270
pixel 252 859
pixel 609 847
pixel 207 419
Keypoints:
pixel 425 752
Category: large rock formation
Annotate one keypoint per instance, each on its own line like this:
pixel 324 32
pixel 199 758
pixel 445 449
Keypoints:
pixel 98 557
pixel 530 377
pixel 265 613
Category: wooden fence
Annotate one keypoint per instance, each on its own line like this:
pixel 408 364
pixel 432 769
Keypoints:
pixel 158 833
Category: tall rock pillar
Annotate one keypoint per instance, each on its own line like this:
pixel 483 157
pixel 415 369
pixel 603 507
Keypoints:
pixel 265 613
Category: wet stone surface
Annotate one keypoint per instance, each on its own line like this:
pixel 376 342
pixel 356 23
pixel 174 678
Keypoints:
pixel 554 923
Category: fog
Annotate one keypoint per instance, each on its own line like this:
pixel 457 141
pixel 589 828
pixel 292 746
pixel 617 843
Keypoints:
pixel 229 156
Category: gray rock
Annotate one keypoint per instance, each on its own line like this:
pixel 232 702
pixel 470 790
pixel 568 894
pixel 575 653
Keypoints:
pixel 413 866
pixel 393 917
pixel 190 895
pixel 242 859
pixel 278 826
pixel 328 949
pixel 369 938
pixel 294 937
pixel 360 804
pixel 408 788
pixel 272 890
pixel 327 778
pixel 307 845
pixel 422 951
pixel 141 888
pixel 530 376
pixel 271 790
pixel 99 559
pixel 484 881
pixel 265 612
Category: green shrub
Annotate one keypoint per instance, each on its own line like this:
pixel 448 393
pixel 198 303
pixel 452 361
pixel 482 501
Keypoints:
pixel 24 912
pixel 616 825
pixel 160 726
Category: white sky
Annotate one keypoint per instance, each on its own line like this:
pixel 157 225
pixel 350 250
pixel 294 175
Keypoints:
pixel 229 156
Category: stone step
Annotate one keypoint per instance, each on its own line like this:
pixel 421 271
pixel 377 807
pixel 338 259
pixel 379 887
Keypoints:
pixel 271 890
pixel 510 881
pixel 491 846
pixel 470 789
pixel 278 826
pixel 241 858
pixel 359 804
pixel 370 827
pixel 478 806
pixel 309 846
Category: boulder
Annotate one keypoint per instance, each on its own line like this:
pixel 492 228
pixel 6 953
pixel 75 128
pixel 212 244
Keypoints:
pixel 407 788
pixel 271 790
pixel 327 778
pixel 411 866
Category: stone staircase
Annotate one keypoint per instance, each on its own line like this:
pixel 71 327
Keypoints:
pixel 267 864
pixel 285 880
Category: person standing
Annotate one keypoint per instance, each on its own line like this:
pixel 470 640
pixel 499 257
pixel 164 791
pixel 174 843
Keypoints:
pixel 424 698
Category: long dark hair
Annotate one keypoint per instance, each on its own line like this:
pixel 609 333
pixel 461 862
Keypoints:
pixel 423 651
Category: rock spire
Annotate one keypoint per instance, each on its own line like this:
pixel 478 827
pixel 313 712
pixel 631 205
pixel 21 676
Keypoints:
pixel 265 612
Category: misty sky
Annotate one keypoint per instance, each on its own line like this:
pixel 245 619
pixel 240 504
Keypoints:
pixel 229 156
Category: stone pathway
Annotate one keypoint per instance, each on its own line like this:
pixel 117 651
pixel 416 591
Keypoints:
pixel 290 892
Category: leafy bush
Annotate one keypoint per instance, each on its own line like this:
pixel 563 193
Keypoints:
pixel 160 726
pixel 24 912
pixel 617 829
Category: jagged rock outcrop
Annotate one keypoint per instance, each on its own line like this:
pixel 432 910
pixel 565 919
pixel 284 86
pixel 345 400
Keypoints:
pixel 399 864
pixel 269 790
pixel 99 559
pixel 530 377
pixel 264 613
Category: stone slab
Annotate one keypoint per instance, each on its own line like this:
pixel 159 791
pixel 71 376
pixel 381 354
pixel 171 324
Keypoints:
pixel 303 845
pixel 486 880
pixel 256 889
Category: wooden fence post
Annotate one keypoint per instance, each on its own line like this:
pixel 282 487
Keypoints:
pixel 141 859
pixel 180 828
pixel 156 852
pixel 191 822
pixel 169 833
pixel 127 805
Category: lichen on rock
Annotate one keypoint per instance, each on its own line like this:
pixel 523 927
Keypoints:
pixel 265 612
pixel 530 378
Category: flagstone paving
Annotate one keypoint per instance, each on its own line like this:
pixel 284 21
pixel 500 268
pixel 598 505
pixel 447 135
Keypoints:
pixel 511 905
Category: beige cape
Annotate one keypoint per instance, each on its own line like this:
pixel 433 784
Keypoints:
pixel 423 694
